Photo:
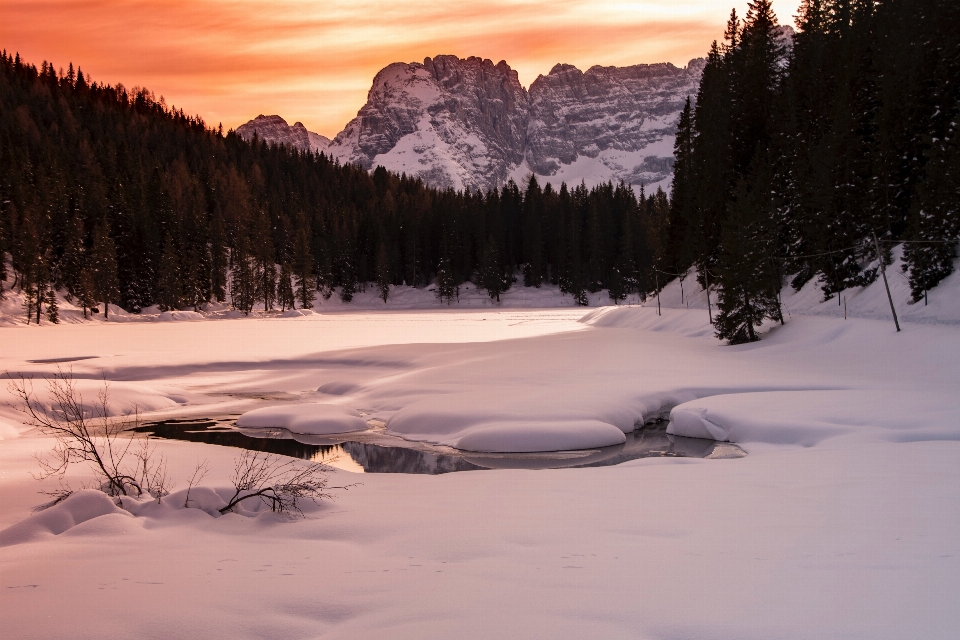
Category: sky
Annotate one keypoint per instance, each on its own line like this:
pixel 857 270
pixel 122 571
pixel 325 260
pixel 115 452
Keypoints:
pixel 313 61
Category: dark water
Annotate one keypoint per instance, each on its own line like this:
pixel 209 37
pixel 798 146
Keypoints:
pixel 375 452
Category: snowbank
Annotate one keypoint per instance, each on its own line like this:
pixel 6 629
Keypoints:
pixel 809 418
pixel 312 418
pixel 179 316
pixel 80 507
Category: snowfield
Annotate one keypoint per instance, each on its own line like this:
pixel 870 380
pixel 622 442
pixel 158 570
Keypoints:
pixel 843 521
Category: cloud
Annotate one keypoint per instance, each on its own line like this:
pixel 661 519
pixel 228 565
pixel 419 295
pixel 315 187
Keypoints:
pixel 228 60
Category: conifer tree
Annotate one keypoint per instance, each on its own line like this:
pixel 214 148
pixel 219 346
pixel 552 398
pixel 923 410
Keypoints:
pixel 86 292
pixel 303 269
pixel 243 278
pixel 383 272
pixel 103 267
pixel 169 289
pixel 3 258
pixel 219 254
pixel 285 295
pixel 264 261
pixel 492 277
pixel 74 256
pixel 53 310
pixel 446 285
pixel 748 275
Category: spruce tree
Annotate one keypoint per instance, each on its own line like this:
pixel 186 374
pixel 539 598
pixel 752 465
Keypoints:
pixel 492 277
pixel 3 258
pixel 53 310
pixel 383 272
pixel 446 285
pixel 748 274
pixel 74 256
pixel 303 269
pixel 103 267
pixel 285 294
pixel 219 254
pixel 243 278
pixel 264 260
pixel 169 288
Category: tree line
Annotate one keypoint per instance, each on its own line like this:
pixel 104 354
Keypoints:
pixel 805 157
pixel 114 197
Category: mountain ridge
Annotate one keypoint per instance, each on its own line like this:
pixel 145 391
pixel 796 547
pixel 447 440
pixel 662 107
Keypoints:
pixel 469 123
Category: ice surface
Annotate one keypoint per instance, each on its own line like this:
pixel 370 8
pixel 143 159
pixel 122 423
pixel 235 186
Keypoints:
pixel 841 522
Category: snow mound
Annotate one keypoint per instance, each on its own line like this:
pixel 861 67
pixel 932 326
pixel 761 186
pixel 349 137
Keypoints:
pixel 179 316
pixel 298 313
pixel 513 423
pixel 83 505
pixel 808 418
pixel 313 418
pixel 527 437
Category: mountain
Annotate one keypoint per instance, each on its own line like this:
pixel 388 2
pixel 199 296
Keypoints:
pixel 462 123
pixel 276 130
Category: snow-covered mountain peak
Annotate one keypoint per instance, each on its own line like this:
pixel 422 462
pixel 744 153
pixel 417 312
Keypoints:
pixel 275 129
pixel 469 123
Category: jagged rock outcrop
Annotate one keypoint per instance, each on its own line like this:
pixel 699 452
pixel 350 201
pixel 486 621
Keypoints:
pixel 275 129
pixel 469 123
pixel 608 123
pixel 453 122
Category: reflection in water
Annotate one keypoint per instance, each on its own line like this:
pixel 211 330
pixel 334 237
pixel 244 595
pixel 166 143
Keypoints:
pixel 374 452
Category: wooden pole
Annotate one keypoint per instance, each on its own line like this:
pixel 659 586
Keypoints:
pixel 883 270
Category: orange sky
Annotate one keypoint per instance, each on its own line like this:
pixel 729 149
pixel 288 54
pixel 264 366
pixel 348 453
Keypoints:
pixel 313 61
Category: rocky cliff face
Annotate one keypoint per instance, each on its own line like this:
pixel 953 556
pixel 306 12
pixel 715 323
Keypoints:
pixel 453 122
pixel 469 123
pixel 610 123
pixel 275 129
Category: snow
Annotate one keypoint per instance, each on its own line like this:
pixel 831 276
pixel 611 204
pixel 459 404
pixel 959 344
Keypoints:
pixel 311 418
pixel 843 521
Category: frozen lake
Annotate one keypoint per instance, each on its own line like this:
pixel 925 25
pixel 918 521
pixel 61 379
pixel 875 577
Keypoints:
pixel 374 452
pixel 841 521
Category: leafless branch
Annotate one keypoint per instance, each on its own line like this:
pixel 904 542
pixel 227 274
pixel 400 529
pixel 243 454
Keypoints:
pixel 88 435
pixel 281 484
pixel 199 473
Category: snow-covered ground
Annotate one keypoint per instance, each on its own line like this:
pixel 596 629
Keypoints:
pixel 843 521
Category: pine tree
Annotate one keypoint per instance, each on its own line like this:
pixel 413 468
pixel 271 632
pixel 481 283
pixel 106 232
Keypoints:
pixel 264 260
pixel 219 255
pixel 492 277
pixel 748 274
pixel 169 289
pixel 243 278
pixel 86 291
pixel 446 285
pixel 103 267
pixel 285 295
pixel 303 269
pixel 383 272
pixel 74 256
pixel 53 310
pixel 3 258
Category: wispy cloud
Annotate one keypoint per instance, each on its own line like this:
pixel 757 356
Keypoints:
pixel 229 60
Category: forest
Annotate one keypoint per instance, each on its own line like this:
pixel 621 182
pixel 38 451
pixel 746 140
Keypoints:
pixel 805 158
pixel 800 158
pixel 114 197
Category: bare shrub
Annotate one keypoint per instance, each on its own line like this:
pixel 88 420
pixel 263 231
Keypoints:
pixel 90 435
pixel 278 483
pixel 125 464
pixel 199 473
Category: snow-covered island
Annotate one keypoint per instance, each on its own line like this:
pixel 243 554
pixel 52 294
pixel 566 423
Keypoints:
pixel 843 520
